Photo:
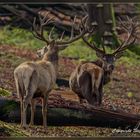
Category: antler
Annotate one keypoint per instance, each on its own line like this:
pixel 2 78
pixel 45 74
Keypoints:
pixel 132 30
pixel 90 32
pixel 60 42
pixel 131 37
pixel 93 46
pixel 82 31
pixel 40 34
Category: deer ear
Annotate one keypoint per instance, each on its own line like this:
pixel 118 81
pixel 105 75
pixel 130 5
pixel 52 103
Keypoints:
pixel 100 55
pixel 45 48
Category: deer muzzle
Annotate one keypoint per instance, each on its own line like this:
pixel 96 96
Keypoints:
pixel 39 53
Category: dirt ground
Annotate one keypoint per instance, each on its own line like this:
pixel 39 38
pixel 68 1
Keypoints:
pixel 125 81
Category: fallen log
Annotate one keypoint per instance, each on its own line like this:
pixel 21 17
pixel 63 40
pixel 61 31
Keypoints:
pixel 69 113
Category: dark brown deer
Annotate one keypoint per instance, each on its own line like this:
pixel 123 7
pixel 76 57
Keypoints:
pixel 88 79
pixel 37 79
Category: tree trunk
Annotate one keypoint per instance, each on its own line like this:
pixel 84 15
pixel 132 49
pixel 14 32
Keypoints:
pixel 103 15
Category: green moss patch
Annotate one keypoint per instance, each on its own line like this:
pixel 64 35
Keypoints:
pixel 9 106
pixel 4 92
pixel 11 130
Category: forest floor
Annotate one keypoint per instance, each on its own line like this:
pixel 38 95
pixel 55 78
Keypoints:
pixel 122 93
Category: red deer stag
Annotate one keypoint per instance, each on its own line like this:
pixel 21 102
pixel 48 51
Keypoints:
pixel 88 78
pixel 36 79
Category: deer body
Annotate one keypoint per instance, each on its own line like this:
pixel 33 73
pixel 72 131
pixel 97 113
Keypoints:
pixel 35 79
pixel 33 74
pixel 87 81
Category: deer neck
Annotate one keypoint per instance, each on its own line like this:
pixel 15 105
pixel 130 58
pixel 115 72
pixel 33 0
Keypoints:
pixel 107 74
pixel 99 63
pixel 53 58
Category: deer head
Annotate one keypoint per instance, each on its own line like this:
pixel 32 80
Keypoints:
pixel 53 46
pixel 109 59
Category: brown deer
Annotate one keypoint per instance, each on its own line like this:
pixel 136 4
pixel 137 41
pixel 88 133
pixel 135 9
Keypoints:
pixel 37 79
pixel 88 79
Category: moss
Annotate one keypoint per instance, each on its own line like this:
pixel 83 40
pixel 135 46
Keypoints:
pixel 13 59
pixel 10 106
pixel 24 39
pixel 11 130
pixel 4 92
pixel 19 38
pixel 135 49
pixel 79 50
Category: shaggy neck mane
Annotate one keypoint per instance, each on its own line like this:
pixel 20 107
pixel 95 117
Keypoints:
pixel 98 62
pixel 107 74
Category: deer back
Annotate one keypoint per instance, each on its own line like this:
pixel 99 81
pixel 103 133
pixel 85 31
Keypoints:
pixel 84 73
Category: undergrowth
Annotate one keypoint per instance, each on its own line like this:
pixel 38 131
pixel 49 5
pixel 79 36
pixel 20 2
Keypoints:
pixel 24 39
pixel 4 92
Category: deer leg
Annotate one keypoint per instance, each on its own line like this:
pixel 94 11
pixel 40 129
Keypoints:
pixel 32 112
pixel 24 114
pixel 81 100
pixel 98 97
pixel 26 102
pixel 100 93
pixel 44 110
pixel 21 108
pixel 20 93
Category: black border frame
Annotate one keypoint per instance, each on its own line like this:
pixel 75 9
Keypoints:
pixel 60 2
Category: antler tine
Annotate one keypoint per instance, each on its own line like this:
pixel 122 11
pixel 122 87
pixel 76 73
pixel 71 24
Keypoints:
pixel 44 21
pixel 72 39
pixel 62 35
pixel 122 24
pixel 103 46
pixel 50 34
pixel 92 46
pixel 41 25
pixel 48 21
pixel 91 31
pixel 72 30
pixel 35 27
pixel 40 34
pixel 122 49
pixel 84 24
pixel 125 44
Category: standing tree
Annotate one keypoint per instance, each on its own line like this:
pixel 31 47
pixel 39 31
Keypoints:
pixel 102 15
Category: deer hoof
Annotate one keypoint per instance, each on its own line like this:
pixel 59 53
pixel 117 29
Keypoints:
pixel 21 125
pixel 45 127
pixel 31 124
pixel 24 126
